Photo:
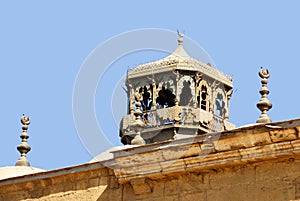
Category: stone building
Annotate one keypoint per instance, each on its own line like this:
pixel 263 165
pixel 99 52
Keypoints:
pixel 179 146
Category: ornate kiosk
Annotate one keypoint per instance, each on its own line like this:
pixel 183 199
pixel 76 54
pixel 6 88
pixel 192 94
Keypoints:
pixel 175 97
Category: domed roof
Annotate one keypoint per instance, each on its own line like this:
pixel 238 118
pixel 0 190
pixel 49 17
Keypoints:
pixel 178 60
pixel 107 155
pixel 16 171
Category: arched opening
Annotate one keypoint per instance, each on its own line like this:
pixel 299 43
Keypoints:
pixel 186 96
pixel 220 105
pixel 202 98
pixel 165 98
pixel 147 100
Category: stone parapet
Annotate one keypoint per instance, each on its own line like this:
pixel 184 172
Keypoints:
pixel 84 182
pixel 256 143
pixel 258 162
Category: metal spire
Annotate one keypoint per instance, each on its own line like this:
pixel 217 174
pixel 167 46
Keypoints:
pixel 264 104
pixel 23 147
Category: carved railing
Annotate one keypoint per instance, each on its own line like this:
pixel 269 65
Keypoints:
pixel 180 115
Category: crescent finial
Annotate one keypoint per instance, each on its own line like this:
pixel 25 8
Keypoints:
pixel 25 120
pixel 180 34
pixel 265 74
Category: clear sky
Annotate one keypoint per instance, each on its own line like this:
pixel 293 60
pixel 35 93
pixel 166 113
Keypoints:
pixel 43 45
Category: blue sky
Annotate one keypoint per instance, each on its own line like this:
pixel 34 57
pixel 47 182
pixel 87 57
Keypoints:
pixel 44 44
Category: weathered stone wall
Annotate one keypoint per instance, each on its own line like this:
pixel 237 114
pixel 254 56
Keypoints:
pixel 273 180
pixel 86 185
pixel 276 181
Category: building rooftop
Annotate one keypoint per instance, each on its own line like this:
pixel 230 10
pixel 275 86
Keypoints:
pixel 179 60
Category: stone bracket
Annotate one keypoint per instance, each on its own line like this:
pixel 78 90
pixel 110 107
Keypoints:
pixel 141 186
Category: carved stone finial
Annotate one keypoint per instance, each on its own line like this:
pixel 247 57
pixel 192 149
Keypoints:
pixel 23 147
pixel 138 124
pixel 180 37
pixel 264 104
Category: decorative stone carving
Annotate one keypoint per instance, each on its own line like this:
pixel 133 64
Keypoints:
pixel 138 125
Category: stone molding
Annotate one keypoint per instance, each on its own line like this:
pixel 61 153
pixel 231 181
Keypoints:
pixel 251 144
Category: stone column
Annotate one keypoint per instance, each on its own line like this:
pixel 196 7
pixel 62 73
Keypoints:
pixel 130 94
pixel 228 96
pixel 154 93
pixel 177 78
pixel 197 79
pixel 138 124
